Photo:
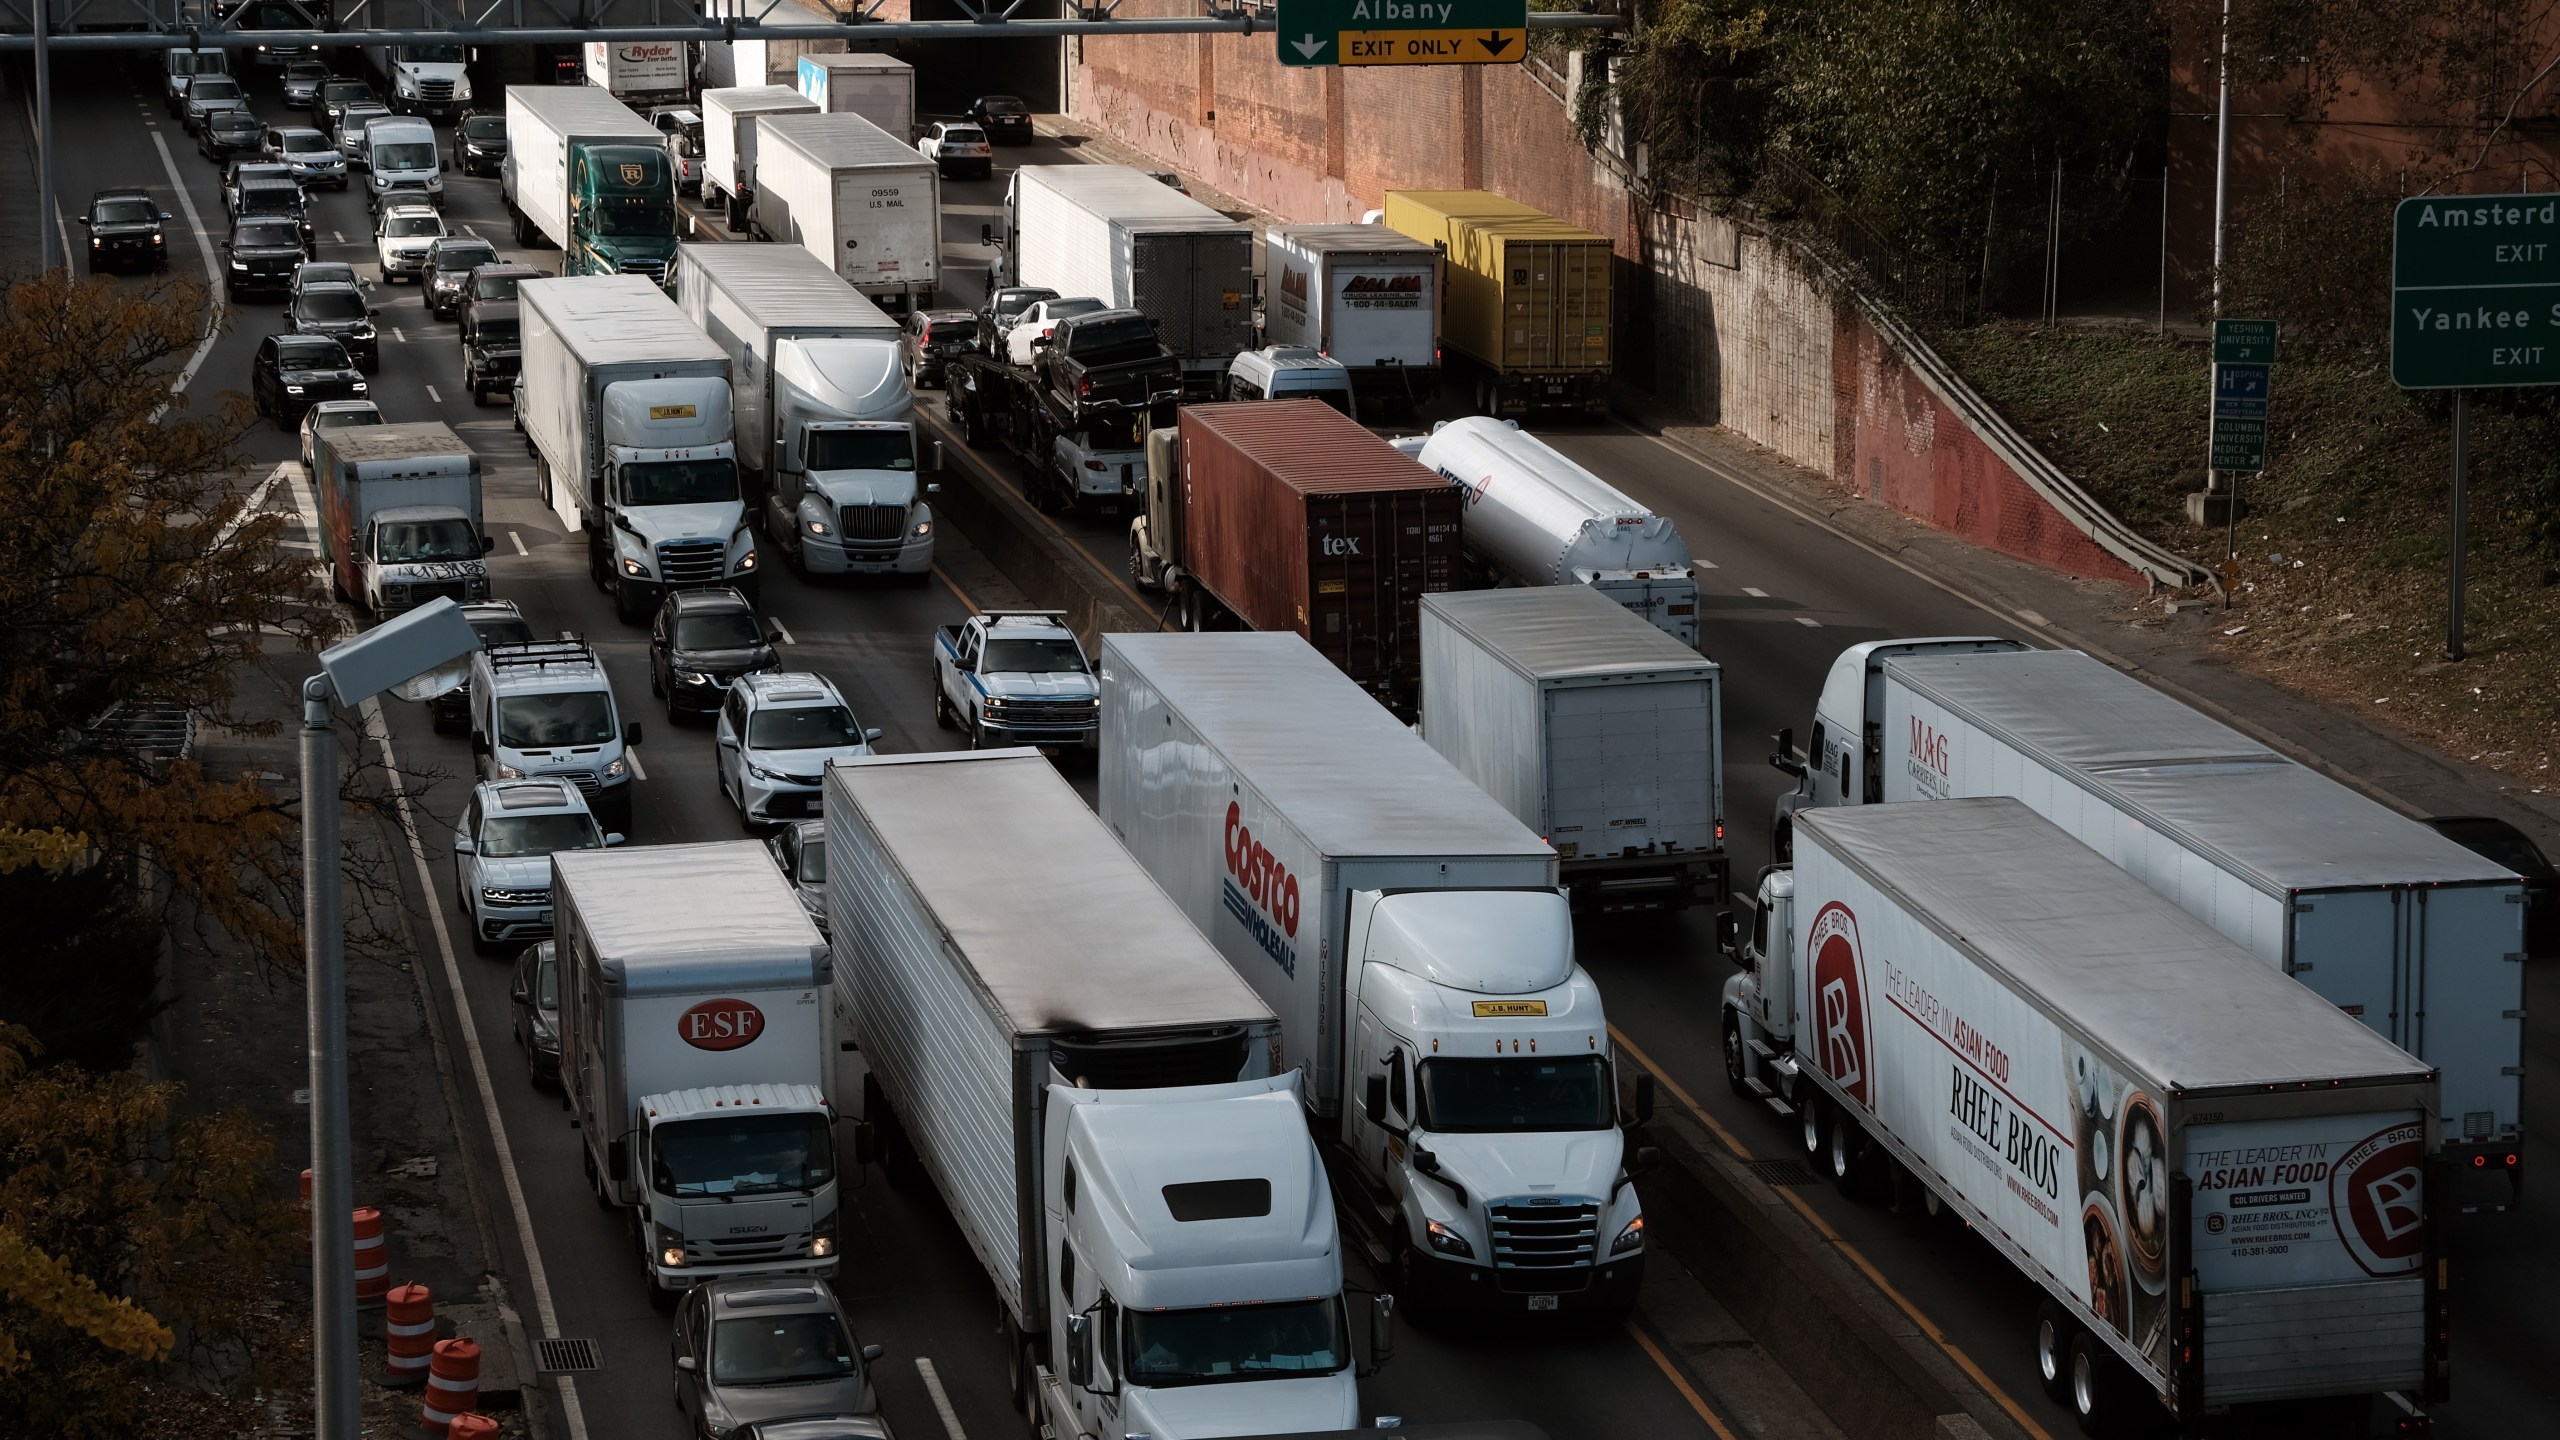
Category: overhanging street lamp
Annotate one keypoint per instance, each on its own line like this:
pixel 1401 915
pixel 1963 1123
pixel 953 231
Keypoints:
pixel 414 657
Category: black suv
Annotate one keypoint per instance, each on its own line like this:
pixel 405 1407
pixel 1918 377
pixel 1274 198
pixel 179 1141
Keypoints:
pixel 1006 119
pixel 263 251
pixel 702 642
pixel 492 348
pixel 230 134
pixel 480 144
pixel 124 231
pixel 279 199
pixel 339 312
pixel 294 372
pixel 332 99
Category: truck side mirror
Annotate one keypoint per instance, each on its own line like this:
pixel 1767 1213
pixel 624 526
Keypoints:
pixel 1382 1331
pixel 1783 759
pixel 1079 1352
pixel 1373 1099
pixel 479 744
pixel 631 733
pixel 986 234
pixel 617 1160
pixel 1729 936
pixel 1644 1097
pixel 488 543
pixel 687 1364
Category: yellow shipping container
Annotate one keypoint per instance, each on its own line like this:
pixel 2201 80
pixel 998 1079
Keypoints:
pixel 1527 296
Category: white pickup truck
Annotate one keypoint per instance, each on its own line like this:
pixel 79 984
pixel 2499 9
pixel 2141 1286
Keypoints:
pixel 1016 677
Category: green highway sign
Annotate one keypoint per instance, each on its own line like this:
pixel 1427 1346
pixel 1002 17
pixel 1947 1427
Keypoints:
pixel 2244 342
pixel 2239 443
pixel 2475 291
pixel 1403 32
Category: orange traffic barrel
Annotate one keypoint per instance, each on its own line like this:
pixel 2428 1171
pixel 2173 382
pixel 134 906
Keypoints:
pixel 373 1258
pixel 453 1385
pixel 408 1335
pixel 472 1427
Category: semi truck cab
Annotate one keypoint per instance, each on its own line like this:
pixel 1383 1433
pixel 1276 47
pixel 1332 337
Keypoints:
pixel 411 554
pixel 847 461
pixel 735 1180
pixel 667 488
pixel 622 207
pixel 1846 744
pixel 427 79
pixel 1759 1022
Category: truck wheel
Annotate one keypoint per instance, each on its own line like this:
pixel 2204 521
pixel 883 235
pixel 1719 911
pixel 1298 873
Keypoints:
pixel 2054 1329
pixel 2102 1395
pixel 1858 1163
pixel 1813 1114
pixel 1737 1064
pixel 541 478
pixel 942 718
pixel 595 1182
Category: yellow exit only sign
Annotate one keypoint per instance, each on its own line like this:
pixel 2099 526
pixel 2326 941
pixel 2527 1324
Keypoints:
pixel 1433 47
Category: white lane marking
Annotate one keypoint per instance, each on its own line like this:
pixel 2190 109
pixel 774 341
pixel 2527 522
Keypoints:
pixel 1702 564
pixel 2034 619
pixel 638 770
pixel 59 228
pixel 518 537
pixel 338 235
pixel 433 396
pixel 1808 622
pixel 1754 593
pixel 212 280
pixel 399 334
pixel 786 634
pixel 257 500
pixel 941 1401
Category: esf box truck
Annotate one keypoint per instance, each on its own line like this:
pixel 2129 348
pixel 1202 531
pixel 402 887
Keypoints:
pixel 1593 729
pixel 2417 937
pixel 1130 240
pixel 2221 1184
pixel 400 520
pixel 729 130
pixel 697 1049
pixel 1362 294
pixel 1412 939
pixel 856 197
pixel 1093 1092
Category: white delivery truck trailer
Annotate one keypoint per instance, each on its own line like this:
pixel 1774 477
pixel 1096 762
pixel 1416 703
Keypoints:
pixel 2221 1184
pixel 1363 294
pixel 1092 1090
pixel 1411 936
pixel 626 404
pixel 697 1050
pixel 1128 239
pixel 856 197
pixel 751 61
pixel 826 423
pixel 1536 518
pixel 400 520
pixel 2414 935
pixel 1592 728
pixel 729 128
pixel 640 71
pixel 879 88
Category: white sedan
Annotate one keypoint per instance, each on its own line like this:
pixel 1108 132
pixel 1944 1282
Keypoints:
pixel 1039 320
pixel 960 148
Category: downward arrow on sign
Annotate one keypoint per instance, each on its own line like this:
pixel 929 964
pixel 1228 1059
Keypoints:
pixel 1494 44
pixel 1308 47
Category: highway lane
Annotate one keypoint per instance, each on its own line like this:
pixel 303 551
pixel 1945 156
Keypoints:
pixel 911 1280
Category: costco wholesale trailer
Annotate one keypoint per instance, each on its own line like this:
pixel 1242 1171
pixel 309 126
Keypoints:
pixel 1591 727
pixel 2414 935
pixel 1128 239
pixel 2219 1182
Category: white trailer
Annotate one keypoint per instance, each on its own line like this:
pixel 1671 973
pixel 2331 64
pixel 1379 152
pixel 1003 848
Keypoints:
pixel 1537 518
pixel 545 124
pixel 1092 1090
pixel 751 61
pixel 697 1051
pixel 856 197
pixel 1410 934
pixel 1593 729
pixel 1128 239
pixel 879 88
pixel 2220 1183
pixel 1365 295
pixel 400 515
pixel 729 131
pixel 648 71
pixel 2414 935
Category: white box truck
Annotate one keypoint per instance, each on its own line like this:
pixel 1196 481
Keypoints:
pixel 697 1050
pixel 641 71
pixel 1535 517
pixel 627 407
pixel 729 143
pixel 856 197
pixel 879 88
pixel 826 423
pixel 400 519
pixel 1092 1090
pixel 1412 939
pixel 2220 1183
pixel 1128 239
pixel 2414 935
pixel 587 175
pixel 750 60
pixel 1592 728
pixel 1363 294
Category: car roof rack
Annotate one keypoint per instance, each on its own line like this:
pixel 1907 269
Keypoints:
pixel 568 650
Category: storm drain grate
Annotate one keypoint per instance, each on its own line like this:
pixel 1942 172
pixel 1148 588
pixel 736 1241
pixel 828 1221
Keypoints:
pixel 1776 1172
pixel 564 1355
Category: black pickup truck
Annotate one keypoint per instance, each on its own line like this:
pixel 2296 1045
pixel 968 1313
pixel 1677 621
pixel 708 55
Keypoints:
pixel 1076 417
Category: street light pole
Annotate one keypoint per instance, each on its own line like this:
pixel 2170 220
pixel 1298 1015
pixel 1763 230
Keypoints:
pixel 334 1400
pixel 45 209
pixel 2221 154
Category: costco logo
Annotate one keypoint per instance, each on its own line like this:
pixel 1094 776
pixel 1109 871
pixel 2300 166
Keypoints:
pixel 720 1024
pixel 1260 893
pixel 1839 1000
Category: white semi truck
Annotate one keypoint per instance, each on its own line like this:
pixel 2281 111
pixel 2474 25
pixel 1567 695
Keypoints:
pixel 1593 729
pixel 855 196
pixel 1537 518
pixel 431 78
pixel 729 129
pixel 697 1050
pixel 1130 240
pixel 627 407
pixel 1362 294
pixel 1411 936
pixel 826 423
pixel 2414 935
pixel 1093 1092
pixel 2221 1184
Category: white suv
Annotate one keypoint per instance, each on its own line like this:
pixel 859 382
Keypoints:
pixel 502 856
pixel 775 736
pixel 402 239
pixel 960 149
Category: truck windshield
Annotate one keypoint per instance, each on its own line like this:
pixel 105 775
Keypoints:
pixel 635 217
pixel 742 1155
pixel 508 837
pixel 860 450
pixel 432 54
pixel 805 1346
pixel 1234 1342
pixel 541 722
pixel 1033 657
pixel 679 482
pixel 1479 1095
pixel 405 542
pixel 405 155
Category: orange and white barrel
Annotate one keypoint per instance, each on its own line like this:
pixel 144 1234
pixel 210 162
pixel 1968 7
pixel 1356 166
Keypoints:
pixel 453 1385
pixel 373 1258
pixel 408 1335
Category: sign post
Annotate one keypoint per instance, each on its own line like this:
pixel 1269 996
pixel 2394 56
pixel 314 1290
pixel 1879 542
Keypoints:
pixel 2475 301
pixel 2243 353
pixel 1403 32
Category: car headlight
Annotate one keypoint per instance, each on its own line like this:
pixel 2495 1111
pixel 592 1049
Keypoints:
pixel 358 387
pixel 363 332
pixel 1448 1241
pixel 293 389
pixel 617 768
pixel 95 242
pixel 994 703
pixel 692 677
pixel 239 264
pixel 1631 1238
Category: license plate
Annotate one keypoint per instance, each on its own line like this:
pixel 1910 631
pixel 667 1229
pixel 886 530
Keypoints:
pixel 1542 1302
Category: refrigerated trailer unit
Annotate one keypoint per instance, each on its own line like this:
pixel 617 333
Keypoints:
pixel 2221 1184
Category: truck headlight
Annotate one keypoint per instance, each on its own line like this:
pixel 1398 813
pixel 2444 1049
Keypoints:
pixel 746 562
pixel 509 772
pixel 670 1248
pixel 1631 1238
pixel 635 569
pixel 1448 1241
pixel 617 768
pixel 817 527
pixel 923 528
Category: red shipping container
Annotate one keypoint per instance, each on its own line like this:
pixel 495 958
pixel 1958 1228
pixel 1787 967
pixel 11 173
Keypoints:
pixel 1296 518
